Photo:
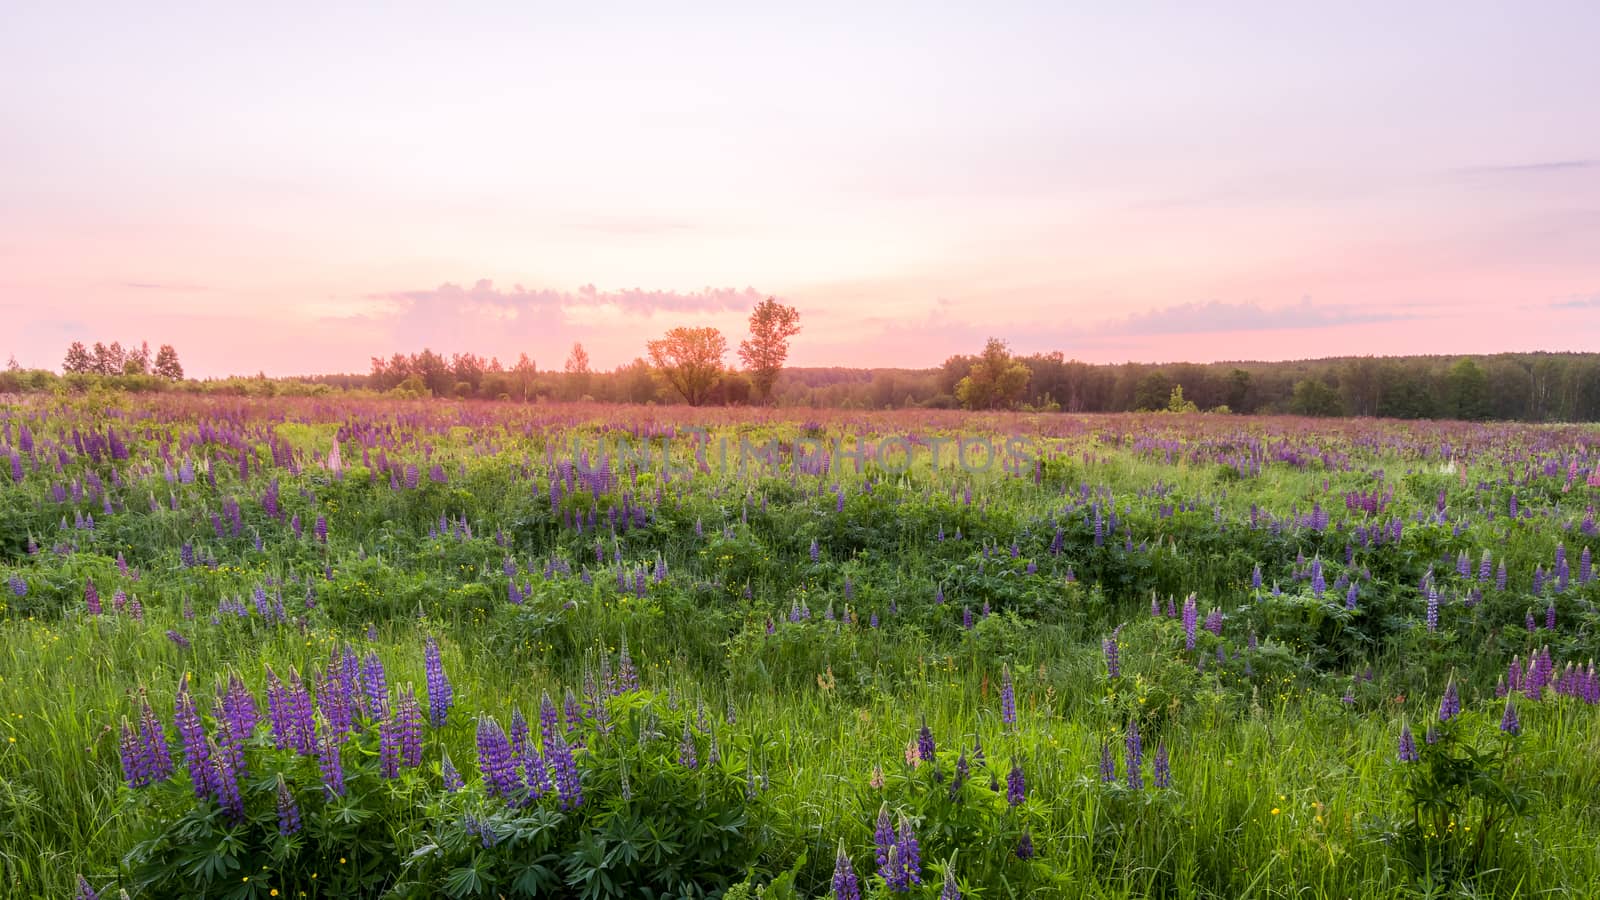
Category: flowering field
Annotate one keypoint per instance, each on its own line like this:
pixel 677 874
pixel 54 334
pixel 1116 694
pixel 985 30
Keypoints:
pixel 310 648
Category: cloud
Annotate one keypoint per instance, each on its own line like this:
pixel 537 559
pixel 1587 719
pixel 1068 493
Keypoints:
pixel 1538 168
pixel 1217 316
pixel 162 286
pixel 1590 302
pixel 483 297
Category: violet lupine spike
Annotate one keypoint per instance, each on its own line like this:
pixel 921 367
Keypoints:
pixel 302 718
pixel 448 774
pixel 846 886
pixel 192 735
pixel 389 747
pixel 495 760
pixel 84 891
pixel 1408 745
pixel 132 756
pixel 910 852
pixel 330 762
pixel 376 685
pixel 569 786
pixel 1134 755
pixel 440 692
pixel 687 750
pixel 1509 721
pixel 288 810
pixel 278 712
pixel 408 719
pixel 226 782
pixel 1016 785
pixel 1163 769
pixel 925 745
pixel 1450 703
pixel 951 891
pixel 1190 614
pixel 1108 763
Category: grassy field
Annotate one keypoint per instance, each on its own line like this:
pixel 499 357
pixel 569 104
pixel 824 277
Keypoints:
pixel 1124 656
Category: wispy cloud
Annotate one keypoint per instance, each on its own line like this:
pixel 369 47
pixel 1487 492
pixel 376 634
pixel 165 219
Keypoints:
pixel 1217 316
pixel 485 298
pixel 1590 302
pixel 1536 168
pixel 162 286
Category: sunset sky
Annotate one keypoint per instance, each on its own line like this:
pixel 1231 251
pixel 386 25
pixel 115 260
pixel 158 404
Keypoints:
pixel 296 189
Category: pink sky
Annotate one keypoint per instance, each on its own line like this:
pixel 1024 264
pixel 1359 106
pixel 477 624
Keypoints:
pixel 300 192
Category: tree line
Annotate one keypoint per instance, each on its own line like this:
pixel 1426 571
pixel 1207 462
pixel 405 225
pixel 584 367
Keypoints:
pixel 114 359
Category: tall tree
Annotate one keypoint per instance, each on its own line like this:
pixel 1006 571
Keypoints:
pixel 578 371
pixel 1466 391
pixel 166 363
pixel 78 359
pixel 522 374
pixel 690 359
pixel 995 381
pixel 771 326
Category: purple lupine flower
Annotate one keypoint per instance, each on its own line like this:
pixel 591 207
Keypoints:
pixel 1433 609
pixel 452 778
pixel 1008 700
pixel 845 884
pixel 84 891
pixel 816 552
pixel 925 747
pixel 1190 612
pixel 1319 583
pixel 686 749
pixel 376 684
pixel 495 761
pixel 1255 579
pixel 951 890
pixel 440 693
pixel 1214 621
pixel 131 752
pixel 883 840
pixel 1113 656
pixel 966 617
pixel 1450 704
pixel 1135 755
pixel 389 736
pixel 1163 776
pixel 1352 595
pixel 278 712
pixel 1509 722
pixel 19 587
pixel 408 719
pixel 330 761
pixel 301 717
pixel 321 529
pixel 1108 763
pixel 910 852
pixel 1025 846
pixel 569 787
pixel 192 736
pixel 1550 616
pixel 1016 785
pixel 1408 745
pixel 91 597
pixel 225 780
pixel 288 810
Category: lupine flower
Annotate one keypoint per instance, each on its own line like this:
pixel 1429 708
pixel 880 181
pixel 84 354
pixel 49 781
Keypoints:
pixel 495 760
pixel 910 853
pixel 192 736
pixel 845 884
pixel 225 780
pixel 1008 700
pixel 883 841
pixel 84 891
pixel 1113 657
pixel 925 747
pixel 1135 756
pixel 1025 846
pixel 568 785
pixel 1433 609
pixel 1163 776
pixel 1450 704
pixel 1189 618
pixel 440 693
pixel 1509 723
pixel 376 684
pixel 1408 745
pixel 408 719
pixel 331 763
pixel 1108 763
pixel 288 810
pixel 951 890
pixel 1016 785
pixel 91 597
pixel 687 750
pixel 452 778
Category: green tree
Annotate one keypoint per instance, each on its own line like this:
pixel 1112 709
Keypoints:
pixel 1466 391
pixel 578 371
pixel 1152 391
pixel 78 360
pixel 995 381
pixel 1238 390
pixel 1313 397
pixel 1176 403
pixel 690 360
pixel 771 326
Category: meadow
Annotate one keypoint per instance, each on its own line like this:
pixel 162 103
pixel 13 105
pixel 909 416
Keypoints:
pixel 325 647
